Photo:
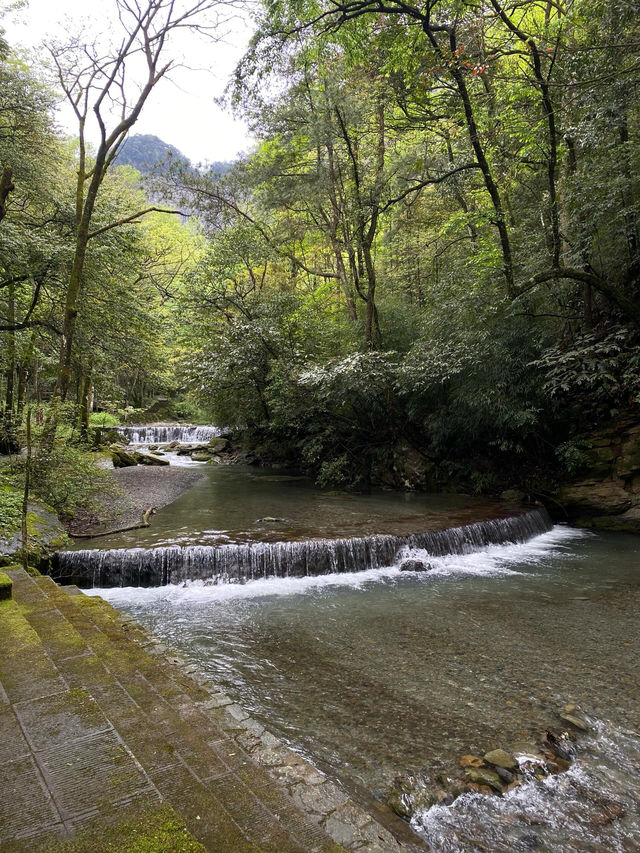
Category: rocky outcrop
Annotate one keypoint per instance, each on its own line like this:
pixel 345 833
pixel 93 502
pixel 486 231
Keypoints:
pixel 125 458
pixel 606 494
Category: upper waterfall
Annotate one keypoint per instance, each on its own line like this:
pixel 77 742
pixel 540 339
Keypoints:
pixel 165 433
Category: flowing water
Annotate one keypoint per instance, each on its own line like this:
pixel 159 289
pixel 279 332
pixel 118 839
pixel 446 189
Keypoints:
pixel 163 433
pixel 379 672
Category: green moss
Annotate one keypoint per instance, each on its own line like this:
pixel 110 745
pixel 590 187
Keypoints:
pixel 6 585
pixel 10 510
pixel 156 829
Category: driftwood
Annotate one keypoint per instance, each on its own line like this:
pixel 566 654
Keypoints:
pixel 144 523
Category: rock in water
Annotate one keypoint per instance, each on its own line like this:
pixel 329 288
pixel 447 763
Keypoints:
pixel 483 776
pixel 149 459
pixel 576 722
pixel 414 565
pixel 501 758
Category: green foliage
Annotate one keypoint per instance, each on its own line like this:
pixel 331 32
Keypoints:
pixel 66 478
pixel 596 374
pixel 103 419
pixel 10 509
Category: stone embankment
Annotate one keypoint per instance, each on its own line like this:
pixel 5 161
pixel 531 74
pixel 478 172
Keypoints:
pixel 110 742
pixel 606 492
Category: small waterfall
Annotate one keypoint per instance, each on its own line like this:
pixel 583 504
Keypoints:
pixel 160 566
pixel 163 434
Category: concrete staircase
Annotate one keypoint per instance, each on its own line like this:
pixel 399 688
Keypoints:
pixel 100 729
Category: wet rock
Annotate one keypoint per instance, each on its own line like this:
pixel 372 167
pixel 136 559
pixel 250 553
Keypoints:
pixel 219 444
pixel 576 722
pixel 501 758
pixel 150 459
pixel 411 794
pixel 270 519
pixel 414 565
pixel 484 777
pixel 610 811
pixel 561 744
pixel 200 457
pixel 505 775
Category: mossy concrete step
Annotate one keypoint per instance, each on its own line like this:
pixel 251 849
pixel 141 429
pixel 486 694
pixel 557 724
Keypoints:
pixel 168 745
pixel 185 758
pixel 297 781
pixel 215 827
pixel 204 745
pixel 63 763
pixel 298 785
pixel 6 585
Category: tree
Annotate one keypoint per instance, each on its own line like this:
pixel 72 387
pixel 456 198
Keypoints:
pixel 97 83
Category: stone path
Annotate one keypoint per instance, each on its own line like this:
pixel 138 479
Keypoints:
pixel 102 729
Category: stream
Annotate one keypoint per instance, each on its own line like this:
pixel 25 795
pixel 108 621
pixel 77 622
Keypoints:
pixel 380 672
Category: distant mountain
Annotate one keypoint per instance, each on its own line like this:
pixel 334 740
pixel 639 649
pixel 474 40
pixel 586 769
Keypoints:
pixel 144 151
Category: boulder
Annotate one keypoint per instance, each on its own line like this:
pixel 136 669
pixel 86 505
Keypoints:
pixel 150 459
pixel 121 457
pixel 604 497
pixel 412 564
pixel 199 456
pixel 219 444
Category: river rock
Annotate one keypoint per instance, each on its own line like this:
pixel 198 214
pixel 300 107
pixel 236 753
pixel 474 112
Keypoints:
pixel 501 758
pixel 506 775
pixel 218 444
pixel 561 744
pixel 411 794
pixel 574 721
pixel 414 565
pixel 483 776
pixel 122 458
pixel 198 456
pixel 149 459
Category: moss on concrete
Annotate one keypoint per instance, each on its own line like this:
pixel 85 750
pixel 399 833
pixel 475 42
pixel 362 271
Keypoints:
pixel 6 586
pixel 154 829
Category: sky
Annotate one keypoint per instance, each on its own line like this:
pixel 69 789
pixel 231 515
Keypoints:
pixel 181 110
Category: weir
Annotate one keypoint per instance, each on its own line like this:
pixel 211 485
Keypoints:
pixel 163 434
pixel 250 561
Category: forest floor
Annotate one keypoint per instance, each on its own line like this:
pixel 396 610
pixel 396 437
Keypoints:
pixel 129 493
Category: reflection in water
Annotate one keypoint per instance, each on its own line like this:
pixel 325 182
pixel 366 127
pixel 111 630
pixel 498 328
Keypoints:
pixel 236 504
pixel 379 673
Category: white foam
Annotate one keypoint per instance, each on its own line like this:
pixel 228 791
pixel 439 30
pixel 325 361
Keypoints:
pixel 498 559
pixel 492 560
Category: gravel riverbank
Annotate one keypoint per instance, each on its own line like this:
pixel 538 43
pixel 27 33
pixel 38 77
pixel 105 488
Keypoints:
pixel 136 489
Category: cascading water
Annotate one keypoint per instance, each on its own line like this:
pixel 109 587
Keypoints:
pixel 250 561
pixel 163 434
